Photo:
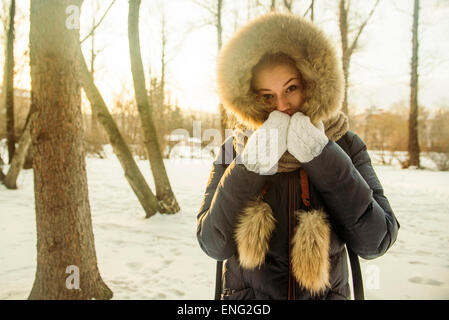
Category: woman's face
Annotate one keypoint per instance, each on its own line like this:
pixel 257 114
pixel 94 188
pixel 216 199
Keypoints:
pixel 279 86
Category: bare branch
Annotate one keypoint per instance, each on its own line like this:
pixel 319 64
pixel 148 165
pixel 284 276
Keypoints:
pixel 308 9
pixel 99 22
pixel 288 4
pixel 205 6
pixel 356 39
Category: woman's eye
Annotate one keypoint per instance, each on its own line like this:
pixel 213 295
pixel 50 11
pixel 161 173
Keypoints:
pixel 291 88
pixel 267 97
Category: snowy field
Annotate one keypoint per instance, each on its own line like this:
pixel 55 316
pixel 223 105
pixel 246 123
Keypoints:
pixel 159 258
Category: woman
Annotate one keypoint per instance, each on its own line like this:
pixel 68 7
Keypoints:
pixel 281 211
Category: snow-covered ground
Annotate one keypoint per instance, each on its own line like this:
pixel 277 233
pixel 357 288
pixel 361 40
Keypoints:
pixel 159 258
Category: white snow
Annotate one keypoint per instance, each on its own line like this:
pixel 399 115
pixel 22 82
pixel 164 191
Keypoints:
pixel 159 258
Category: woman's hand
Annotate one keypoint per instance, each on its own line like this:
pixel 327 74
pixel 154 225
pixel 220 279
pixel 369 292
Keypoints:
pixel 304 140
pixel 267 144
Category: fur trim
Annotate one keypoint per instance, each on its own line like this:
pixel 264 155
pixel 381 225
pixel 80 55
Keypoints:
pixel 295 36
pixel 310 252
pixel 310 243
pixel 253 232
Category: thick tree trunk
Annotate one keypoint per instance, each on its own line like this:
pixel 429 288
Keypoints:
pixel 10 180
pixel 164 192
pixel 132 172
pixel 66 258
pixel 8 84
pixel 413 145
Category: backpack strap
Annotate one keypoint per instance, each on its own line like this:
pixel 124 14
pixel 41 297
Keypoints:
pixel 357 280
pixel 218 284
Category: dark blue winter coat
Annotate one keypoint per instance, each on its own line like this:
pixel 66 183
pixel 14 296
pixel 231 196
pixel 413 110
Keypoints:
pixel 345 184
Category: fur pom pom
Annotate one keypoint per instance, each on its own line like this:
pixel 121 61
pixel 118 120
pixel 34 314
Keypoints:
pixel 253 232
pixel 310 252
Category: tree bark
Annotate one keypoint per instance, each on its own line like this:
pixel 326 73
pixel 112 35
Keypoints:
pixel 10 180
pixel 413 144
pixel 164 192
pixel 66 258
pixel 8 84
pixel 132 172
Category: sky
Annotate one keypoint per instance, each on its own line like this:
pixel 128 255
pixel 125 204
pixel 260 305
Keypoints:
pixel 380 69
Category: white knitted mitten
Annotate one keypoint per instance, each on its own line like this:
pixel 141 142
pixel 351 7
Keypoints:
pixel 304 140
pixel 267 144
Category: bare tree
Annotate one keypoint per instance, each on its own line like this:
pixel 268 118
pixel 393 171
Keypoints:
pixel 163 60
pixel 66 258
pixel 100 111
pixel 215 9
pixel 94 51
pixel 349 48
pixel 164 191
pixel 16 106
pixel 413 145
pixel 311 8
pixel 96 25
pixel 8 83
pixel 440 139
pixel 10 180
pixel 288 5
pixel 132 173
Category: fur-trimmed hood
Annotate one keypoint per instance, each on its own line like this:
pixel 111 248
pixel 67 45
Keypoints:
pixel 304 42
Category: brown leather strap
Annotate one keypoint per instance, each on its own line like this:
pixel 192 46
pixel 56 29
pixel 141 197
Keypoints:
pixel 264 190
pixel 305 193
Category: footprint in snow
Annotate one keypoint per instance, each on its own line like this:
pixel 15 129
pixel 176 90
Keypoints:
pixel 178 293
pixel 431 282
pixel 417 262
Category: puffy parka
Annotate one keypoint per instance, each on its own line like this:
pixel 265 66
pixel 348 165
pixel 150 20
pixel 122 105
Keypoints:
pixel 346 186
pixel 341 180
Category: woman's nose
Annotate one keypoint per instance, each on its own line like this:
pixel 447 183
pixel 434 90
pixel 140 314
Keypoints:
pixel 283 104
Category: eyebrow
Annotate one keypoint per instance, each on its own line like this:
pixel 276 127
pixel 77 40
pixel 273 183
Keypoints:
pixel 289 81
pixel 263 89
